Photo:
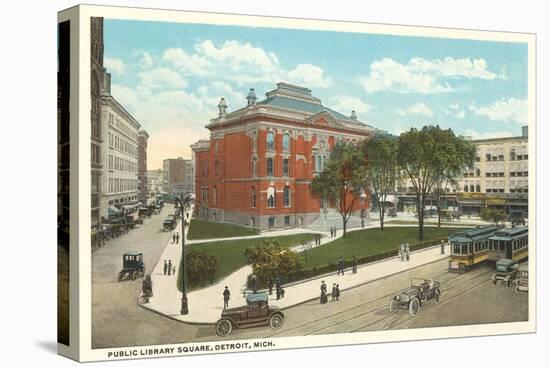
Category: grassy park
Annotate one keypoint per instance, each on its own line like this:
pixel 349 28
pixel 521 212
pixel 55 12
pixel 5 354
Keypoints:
pixel 203 229
pixel 231 252
pixel 368 242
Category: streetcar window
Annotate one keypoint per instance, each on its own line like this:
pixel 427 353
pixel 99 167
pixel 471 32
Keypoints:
pixel 456 249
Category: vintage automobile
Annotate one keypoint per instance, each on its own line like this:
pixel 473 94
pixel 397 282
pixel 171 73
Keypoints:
pixel 420 291
pixel 145 212
pixel 256 313
pixel 522 281
pixel 132 266
pixel 169 223
pixel 506 272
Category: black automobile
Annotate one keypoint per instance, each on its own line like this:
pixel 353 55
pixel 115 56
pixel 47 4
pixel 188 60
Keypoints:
pixel 132 266
pixel 420 292
pixel 256 313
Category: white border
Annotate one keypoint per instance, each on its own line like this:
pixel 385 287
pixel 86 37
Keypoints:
pixel 87 11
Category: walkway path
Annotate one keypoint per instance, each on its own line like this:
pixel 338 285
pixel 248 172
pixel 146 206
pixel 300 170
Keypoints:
pixel 206 304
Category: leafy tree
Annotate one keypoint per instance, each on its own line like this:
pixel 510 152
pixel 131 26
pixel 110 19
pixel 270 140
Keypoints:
pixel 270 260
pixel 382 169
pixel 428 155
pixel 201 267
pixel 493 215
pixel 342 180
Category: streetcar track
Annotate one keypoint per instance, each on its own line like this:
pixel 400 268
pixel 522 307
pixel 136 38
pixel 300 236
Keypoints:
pixel 452 277
pixel 398 320
pixel 386 306
pixel 357 306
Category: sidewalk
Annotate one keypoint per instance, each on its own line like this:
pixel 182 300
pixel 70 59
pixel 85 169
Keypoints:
pixel 206 304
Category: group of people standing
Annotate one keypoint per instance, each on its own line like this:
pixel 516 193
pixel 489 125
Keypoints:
pixel 405 252
pixel 332 232
pixel 176 237
pixel 169 269
pixel 341 265
pixel 335 292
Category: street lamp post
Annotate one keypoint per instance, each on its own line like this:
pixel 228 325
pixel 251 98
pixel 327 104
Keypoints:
pixel 184 305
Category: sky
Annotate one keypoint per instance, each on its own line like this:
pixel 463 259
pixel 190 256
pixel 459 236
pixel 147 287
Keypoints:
pixel 171 76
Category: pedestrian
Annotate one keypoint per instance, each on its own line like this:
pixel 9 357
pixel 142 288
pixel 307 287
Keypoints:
pixel 177 237
pixel 278 287
pixel 165 267
pixel 402 251
pixel 270 284
pixel 334 231
pixel 169 267
pixel 323 292
pixel 147 289
pixel 333 292
pixel 226 295
pixel 442 247
pixel 353 265
pixel 340 265
pixel 331 232
pixel 282 292
pixel 174 270
pixel 337 292
pixel 253 281
pixel 174 237
pixel 408 252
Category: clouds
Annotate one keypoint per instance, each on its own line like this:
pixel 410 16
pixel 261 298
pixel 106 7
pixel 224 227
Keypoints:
pixel 114 65
pixel 162 78
pixel 506 110
pixel 242 63
pixel 346 104
pixel 423 76
pixel 417 109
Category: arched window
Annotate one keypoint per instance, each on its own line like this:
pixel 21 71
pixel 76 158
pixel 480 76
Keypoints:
pixel 270 140
pixel 286 196
pixel 270 166
pixel 286 142
pixel 254 167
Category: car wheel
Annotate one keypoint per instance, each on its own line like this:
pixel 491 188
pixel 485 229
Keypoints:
pixel 134 275
pixel 224 327
pixel 414 306
pixel 276 321
pixel 393 306
pixel 436 298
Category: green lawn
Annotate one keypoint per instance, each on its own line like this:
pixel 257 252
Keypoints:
pixel 369 242
pixel 231 252
pixel 203 229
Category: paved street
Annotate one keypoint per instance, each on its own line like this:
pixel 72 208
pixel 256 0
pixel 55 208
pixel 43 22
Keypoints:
pixel 119 321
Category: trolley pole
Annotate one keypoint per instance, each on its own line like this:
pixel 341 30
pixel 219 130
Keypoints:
pixel 184 305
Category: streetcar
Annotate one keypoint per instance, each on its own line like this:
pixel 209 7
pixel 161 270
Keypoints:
pixel 470 247
pixel 509 243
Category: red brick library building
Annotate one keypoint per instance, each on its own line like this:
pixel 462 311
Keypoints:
pixel 257 167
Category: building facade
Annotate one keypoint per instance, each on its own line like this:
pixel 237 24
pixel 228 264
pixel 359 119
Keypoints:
pixel 143 136
pixel 500 177
pixel 121 152
pixel 499 180
pixel 177 175
pixel 154 181
pixel 258 165
pixel 97 87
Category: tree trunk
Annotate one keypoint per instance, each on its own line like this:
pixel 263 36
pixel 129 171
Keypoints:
pixel 381 210
pixel 344 225
pixel 421 204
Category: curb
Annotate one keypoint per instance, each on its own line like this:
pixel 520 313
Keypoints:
pixel 311 299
